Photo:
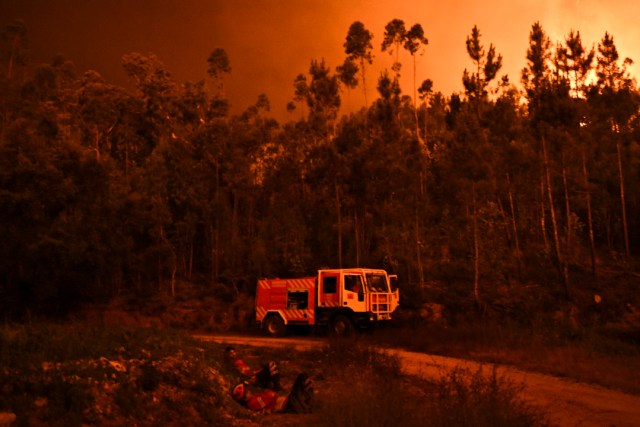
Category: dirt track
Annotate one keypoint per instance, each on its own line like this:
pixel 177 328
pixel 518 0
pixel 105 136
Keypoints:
pixel 568 403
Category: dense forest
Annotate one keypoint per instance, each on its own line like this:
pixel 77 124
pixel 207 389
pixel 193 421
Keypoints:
pixel 504 190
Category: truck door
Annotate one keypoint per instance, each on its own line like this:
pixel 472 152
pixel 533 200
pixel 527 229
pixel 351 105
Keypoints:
pixel 328 293
pixel 353 293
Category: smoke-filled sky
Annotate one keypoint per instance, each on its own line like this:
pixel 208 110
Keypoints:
pixel 269 42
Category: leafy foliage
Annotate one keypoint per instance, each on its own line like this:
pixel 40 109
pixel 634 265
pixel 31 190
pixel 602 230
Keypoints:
pixel 108 191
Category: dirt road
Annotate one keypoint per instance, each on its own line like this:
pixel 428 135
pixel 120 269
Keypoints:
pixel 568 403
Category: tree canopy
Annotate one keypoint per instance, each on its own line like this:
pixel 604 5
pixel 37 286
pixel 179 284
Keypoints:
pixel 474 195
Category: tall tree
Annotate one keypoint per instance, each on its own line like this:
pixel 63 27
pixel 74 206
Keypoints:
pixel 323 98
pixel 425 91
pixel 574 64
pixel 414 43
pixel 358 48
pixel 616 101
pixel 486 67
pixel 348 74
pixel 394 37
pixel 219 65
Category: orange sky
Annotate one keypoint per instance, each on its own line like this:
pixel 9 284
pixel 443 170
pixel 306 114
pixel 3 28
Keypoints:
pixel 269 42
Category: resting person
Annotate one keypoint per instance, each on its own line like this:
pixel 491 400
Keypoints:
pixel 265 377
pixel 296 402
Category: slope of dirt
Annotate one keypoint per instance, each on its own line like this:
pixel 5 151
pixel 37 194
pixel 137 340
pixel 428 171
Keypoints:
pixel 568 403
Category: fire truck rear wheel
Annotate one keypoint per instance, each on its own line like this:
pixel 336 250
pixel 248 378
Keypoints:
pixel 342 326
pixel 274 325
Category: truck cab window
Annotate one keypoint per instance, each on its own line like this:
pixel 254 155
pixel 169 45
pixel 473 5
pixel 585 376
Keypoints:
pixel 377 283
pixel 353 283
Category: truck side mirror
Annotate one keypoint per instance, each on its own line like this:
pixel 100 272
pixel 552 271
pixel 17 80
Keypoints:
pixel 393 282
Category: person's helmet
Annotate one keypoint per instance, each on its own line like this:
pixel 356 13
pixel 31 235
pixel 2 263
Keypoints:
pixel 230 352
pixel 239 391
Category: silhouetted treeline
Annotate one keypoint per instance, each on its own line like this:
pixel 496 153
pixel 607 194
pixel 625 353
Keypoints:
pixel 106 190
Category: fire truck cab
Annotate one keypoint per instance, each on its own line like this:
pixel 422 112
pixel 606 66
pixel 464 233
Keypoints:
pixel 342 299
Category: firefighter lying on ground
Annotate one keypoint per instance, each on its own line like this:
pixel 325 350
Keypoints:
pixel 265 377
pixel 298 401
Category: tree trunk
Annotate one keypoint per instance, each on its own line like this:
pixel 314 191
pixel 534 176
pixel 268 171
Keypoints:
pixel 567 207
pixel 476 250
pixel 356 227
pixel 215 227
pixel 622 202
pixel 338 209
pixel 418 249
pixel 543 222
pixel 554 223
pixel 514 225
pixel 364 84
pixel 415 104
pixel 216 252
pixel 190 272
pixel 592 244
pixel 567 253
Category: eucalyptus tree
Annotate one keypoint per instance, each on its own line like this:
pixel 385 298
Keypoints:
pixel 414 43
pixel 189 183
pixel 155 88
pixel 394 37
pixel 250 144
pixel 300 91
pixel 358 48
pixel 348 74
pixel 425 92
pixel 163 126
pixel 63 246
pixel 102 115
pixel 323 99
pixel 384 181
pixel 218 65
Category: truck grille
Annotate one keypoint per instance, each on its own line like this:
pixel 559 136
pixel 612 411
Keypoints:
pixel 380 303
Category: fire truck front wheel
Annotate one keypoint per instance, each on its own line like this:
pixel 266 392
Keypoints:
pixel 274 325
pixel 342 326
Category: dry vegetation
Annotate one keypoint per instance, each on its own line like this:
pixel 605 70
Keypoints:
pixel 136 363
pixel 76 375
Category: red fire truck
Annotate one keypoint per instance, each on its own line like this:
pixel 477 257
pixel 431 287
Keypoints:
pixel 342 299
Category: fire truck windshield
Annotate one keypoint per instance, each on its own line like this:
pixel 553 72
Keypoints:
pixel 377 282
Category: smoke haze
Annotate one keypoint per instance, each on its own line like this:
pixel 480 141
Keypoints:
pixel 269 42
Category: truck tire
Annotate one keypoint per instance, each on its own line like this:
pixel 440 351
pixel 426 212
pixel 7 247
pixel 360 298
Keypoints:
pixel 274 325
pixel 342 326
